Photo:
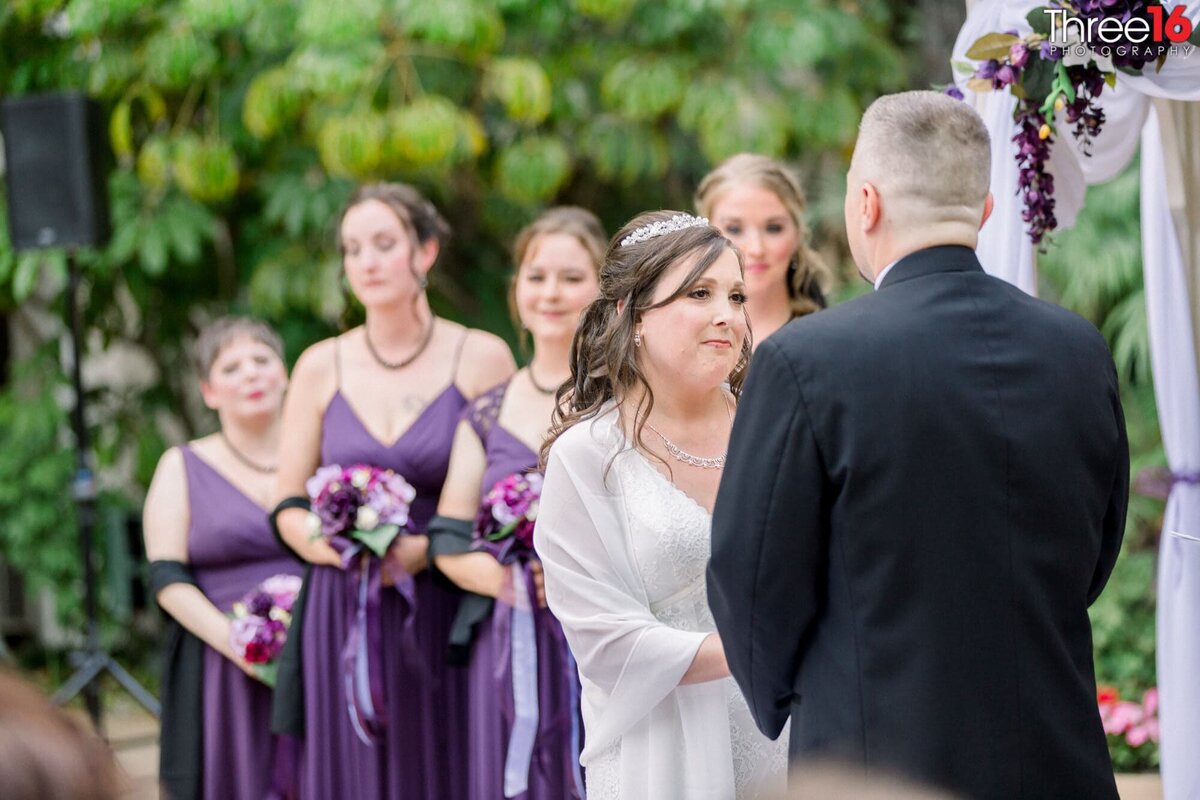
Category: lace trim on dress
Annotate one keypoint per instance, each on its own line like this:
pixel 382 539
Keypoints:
pixel 603 774
pixel 484 410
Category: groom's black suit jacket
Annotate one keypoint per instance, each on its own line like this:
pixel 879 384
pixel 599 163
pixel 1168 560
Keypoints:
pixel 925 489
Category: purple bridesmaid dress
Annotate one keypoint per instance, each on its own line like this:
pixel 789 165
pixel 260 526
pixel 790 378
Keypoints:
pixel 422 753
pixel 554 767
pixel 230 551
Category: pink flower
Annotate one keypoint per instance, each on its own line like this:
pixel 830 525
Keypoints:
pixel 1150 701
pixel 1138 735
pixel 1122 716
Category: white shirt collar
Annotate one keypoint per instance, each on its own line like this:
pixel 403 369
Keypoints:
pixel 883 272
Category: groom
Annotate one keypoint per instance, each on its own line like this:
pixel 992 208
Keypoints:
pixel 925 489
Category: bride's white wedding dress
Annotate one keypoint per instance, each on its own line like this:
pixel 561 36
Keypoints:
pixel 624 556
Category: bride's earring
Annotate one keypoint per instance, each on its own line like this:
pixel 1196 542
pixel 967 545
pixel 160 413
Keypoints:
pixel 637 337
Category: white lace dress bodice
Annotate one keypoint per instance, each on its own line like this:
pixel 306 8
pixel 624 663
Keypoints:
pixel 670 541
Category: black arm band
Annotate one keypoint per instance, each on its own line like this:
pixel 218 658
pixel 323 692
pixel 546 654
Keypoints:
pixel 295 501
pixel 449 536
pixel 165 573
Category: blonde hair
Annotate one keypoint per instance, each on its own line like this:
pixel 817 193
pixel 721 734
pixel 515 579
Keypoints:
pixel 578 223
pixel 926 152
pixel 808 276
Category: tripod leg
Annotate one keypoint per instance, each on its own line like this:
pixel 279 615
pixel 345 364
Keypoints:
pixel 91 666
pixel 130 684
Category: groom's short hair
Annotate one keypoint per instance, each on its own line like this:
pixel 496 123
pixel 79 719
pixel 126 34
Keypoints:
pixel 925 149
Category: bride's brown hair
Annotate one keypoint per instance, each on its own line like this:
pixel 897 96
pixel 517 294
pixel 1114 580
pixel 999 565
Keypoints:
pixel 603 357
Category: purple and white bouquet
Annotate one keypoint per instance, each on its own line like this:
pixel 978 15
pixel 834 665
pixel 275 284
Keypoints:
pixel 260 623
pixel 505 523
pixel 361 503
pixel 1074 50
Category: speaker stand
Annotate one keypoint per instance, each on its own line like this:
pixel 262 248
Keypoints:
pixel 92 661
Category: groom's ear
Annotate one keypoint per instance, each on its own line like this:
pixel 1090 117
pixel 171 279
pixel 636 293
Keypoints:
pixel 989 203
pixel 871 207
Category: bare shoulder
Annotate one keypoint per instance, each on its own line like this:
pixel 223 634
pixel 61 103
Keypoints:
pixel 485 362
pixel 168 488
pixel 316 367
pixel 170 469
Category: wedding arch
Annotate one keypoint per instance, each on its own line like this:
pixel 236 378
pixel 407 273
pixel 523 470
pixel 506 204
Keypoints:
pixel 1158 111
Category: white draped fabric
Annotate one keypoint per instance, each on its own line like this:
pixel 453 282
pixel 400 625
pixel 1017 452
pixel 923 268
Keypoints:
pixel 624 554
pixel 1171 299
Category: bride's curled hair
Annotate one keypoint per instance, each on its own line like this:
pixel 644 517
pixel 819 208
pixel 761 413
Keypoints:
pixel 603 359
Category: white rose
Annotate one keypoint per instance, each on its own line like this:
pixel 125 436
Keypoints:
pixel 367 519
pixel 314 525
pixel 359 478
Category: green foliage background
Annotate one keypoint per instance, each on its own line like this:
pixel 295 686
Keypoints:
pixel 238 128
pixel 1095 269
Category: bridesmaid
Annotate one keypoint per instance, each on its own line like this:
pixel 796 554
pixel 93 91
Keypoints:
pixel 758 203
pixel 209 543
pixel 557 275
pixel 388 393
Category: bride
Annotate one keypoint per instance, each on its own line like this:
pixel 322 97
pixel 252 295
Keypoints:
pixel 632 467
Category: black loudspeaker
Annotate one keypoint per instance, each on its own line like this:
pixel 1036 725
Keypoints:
pixel 55 165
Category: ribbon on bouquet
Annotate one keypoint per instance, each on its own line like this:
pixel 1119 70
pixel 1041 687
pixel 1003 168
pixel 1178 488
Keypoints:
pixel 523 660
pixel 362 652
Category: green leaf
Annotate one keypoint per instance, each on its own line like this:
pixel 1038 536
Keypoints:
pixel 178 57
pixel 1039 20
pixel 992 45
pixel 215 15
pixel 152 250
pixel 423 133
pixel 1037 79
pixel 344 23
pixel 503 533
pixel 521 86
pixel 377 540
pixel 120 131
pixel 644 88
pixel 29 266
pixel 533 169
pixel 267 673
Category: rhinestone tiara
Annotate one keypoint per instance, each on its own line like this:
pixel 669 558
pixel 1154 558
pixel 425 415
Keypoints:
pixel 678 222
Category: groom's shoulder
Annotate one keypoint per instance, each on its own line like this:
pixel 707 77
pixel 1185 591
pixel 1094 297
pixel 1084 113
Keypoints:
pixel 839 327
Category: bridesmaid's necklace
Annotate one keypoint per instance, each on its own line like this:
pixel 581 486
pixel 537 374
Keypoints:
pixel 405 362
pixel 536 385
pixel 242 457
pixel 679 454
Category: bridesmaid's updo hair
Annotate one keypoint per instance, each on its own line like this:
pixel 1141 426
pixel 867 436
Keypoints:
pixel 578 223
pixel 214 337
pixel 603 357
pixel 807 272
pixel 419 217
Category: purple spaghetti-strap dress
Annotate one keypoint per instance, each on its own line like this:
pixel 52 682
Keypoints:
pixel 554 766
pixel 230 551
pixel 422 752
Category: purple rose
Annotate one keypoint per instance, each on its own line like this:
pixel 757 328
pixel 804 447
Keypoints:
pixel 988 69
pixel 1018 55
pixel 1005 76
